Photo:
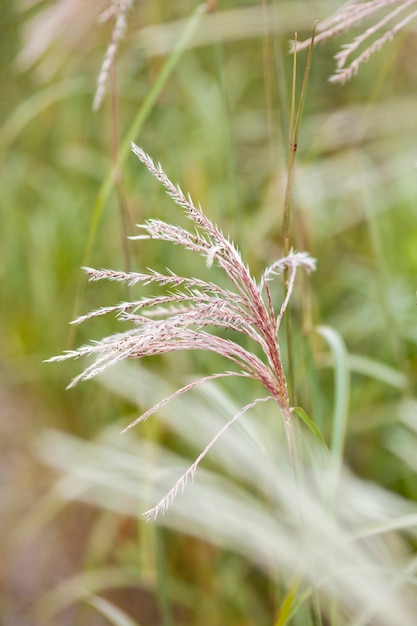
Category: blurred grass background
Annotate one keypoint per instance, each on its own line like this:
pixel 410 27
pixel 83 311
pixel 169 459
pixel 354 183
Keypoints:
pixel 219 126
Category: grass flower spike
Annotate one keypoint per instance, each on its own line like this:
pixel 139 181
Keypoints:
pixel 117 11
pixel 388 18
pixel 184 318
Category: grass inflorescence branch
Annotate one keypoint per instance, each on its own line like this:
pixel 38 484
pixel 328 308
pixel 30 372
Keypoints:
pixel 186 318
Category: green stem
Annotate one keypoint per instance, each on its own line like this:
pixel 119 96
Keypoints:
pixel 162 583
pixel 295 119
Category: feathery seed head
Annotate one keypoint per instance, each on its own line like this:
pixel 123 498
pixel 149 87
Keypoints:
pixel 184 318
pixel 386 24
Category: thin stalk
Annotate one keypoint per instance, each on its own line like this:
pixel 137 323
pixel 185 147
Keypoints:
pixel 304 88
pixel 286 226
pixel 295 119
pixel 282 85
pixel 230 144
pixel 267 59
pixel 162 583
pixel 291 156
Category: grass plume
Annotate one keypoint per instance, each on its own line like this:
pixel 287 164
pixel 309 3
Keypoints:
pixel 388 17
pixel 183 319
pixel 116 11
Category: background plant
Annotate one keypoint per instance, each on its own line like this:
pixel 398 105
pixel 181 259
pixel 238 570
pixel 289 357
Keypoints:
pixel 384 20
pixel 221 100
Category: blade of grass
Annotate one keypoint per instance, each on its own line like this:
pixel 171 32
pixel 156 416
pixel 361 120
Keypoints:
pixel 291 603
pixel 341 391
pixel 372 368
pixel 79 588
pixel 309 423
pixel 111 612
pixel 287 607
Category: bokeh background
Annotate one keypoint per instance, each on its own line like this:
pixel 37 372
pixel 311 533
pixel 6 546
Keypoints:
pixel 216 116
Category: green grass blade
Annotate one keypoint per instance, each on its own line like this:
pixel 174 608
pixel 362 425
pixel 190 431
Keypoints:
pixel 287 607
pixel 341 389
pixel 291 603
pixel 378 371
pixel 310 424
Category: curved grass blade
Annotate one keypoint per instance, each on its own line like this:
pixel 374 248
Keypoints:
pixel 111 612
pixel 310 424
pixel 291 602
pixel 341 390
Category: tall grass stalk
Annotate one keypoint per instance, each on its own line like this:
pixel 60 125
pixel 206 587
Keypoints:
pixel 178 320
pixel 295 119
